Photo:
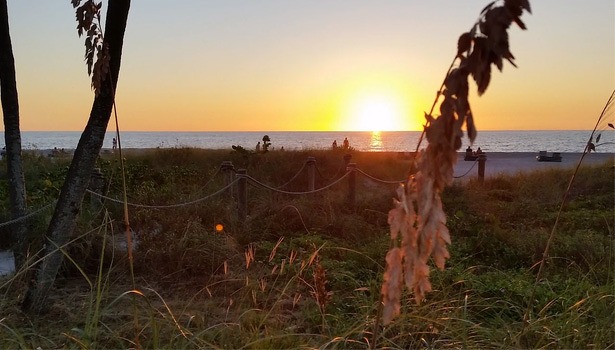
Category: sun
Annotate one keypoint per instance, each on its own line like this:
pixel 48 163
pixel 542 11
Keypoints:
pixel 379 111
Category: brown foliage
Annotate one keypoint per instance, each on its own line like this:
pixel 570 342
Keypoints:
pixel 88 21
pixel 418 223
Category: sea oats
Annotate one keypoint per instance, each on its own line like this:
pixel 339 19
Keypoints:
pixel 417 221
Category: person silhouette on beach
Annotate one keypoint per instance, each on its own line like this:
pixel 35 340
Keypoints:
pixel 346 144
pixel 469 153
pixel 334 144
pixel 114 143
pixel 258 147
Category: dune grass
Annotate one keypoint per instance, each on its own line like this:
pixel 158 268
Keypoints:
pixel 305 271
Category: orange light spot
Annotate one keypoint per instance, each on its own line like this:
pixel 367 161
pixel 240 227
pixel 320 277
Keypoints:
pixel 219 227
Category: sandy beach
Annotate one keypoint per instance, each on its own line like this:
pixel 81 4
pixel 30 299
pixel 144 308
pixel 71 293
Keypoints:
pixel 514 162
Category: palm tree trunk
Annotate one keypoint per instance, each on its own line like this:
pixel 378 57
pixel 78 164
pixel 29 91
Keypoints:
pixel 84 160
pixel 12 137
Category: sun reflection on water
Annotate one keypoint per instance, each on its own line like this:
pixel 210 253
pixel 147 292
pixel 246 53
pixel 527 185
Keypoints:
pixel 375 143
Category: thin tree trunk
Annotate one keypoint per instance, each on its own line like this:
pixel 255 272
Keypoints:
pixel 84 160
pixel 12 137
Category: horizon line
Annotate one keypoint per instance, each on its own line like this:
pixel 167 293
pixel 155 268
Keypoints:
pixel 278 131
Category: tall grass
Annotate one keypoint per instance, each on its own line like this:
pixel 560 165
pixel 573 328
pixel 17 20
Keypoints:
pixel 196 289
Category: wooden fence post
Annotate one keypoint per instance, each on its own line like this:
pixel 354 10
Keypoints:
pixel 347 158
pixel 482 159
pixel 227 173
pixel 242 195
pixel 352 185
pixel 311 172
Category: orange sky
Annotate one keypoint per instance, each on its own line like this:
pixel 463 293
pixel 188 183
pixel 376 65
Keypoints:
pixel 274 65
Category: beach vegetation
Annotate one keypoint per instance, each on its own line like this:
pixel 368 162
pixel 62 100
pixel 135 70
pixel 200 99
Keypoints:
pixel 105 72
pixel 197 270
pixel 305 271
pixel 419 234
pixel 12 137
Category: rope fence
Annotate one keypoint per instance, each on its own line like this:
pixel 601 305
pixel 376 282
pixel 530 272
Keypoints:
pixel 211 178
pixel 235 183
pixel 467 172
pixel 147 206
pixel 27 216
pixel 260 184
pixel 375 179
pixel 481 160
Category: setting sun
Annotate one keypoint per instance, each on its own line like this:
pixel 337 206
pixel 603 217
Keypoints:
pixel 380 111
pixel 377 113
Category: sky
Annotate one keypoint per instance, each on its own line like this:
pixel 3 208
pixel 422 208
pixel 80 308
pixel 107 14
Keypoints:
pixel 312 65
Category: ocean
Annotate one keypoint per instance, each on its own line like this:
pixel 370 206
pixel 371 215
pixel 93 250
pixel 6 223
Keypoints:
pixel 385 141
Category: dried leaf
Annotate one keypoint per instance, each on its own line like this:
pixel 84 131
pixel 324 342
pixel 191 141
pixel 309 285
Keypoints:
pixel 611 125
pixel 86 12
pixel 447 108
pixel 464 44
pixel 498 17
pixel 518 4
pixel 396 217
pixel 591 147
pixel 513 7
pixel 510 60
pixel 488 7
pixel 519 23
pixel 463 108
pixel 453 82
pixel 418 222
pixel 101 68
pixel 391 286
pixel 464 87
pixel 497 60
pixel 480 53
pixel 429 118
pixel 598 138
pixel 89 60
pixel 483 77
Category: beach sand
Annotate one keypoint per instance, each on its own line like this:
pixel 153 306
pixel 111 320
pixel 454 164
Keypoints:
pixel 510 163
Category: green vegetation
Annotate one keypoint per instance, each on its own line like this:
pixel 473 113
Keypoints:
pixel 304 271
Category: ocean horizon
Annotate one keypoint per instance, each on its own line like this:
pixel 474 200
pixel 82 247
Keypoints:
pixel 384 141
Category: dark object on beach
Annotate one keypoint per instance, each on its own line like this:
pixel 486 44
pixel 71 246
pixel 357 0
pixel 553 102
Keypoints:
pixel 544 157
pixel 240 149
pixel 266 143
pixel 472 156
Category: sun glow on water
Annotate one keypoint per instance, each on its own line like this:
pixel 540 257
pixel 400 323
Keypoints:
pixel 375 142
